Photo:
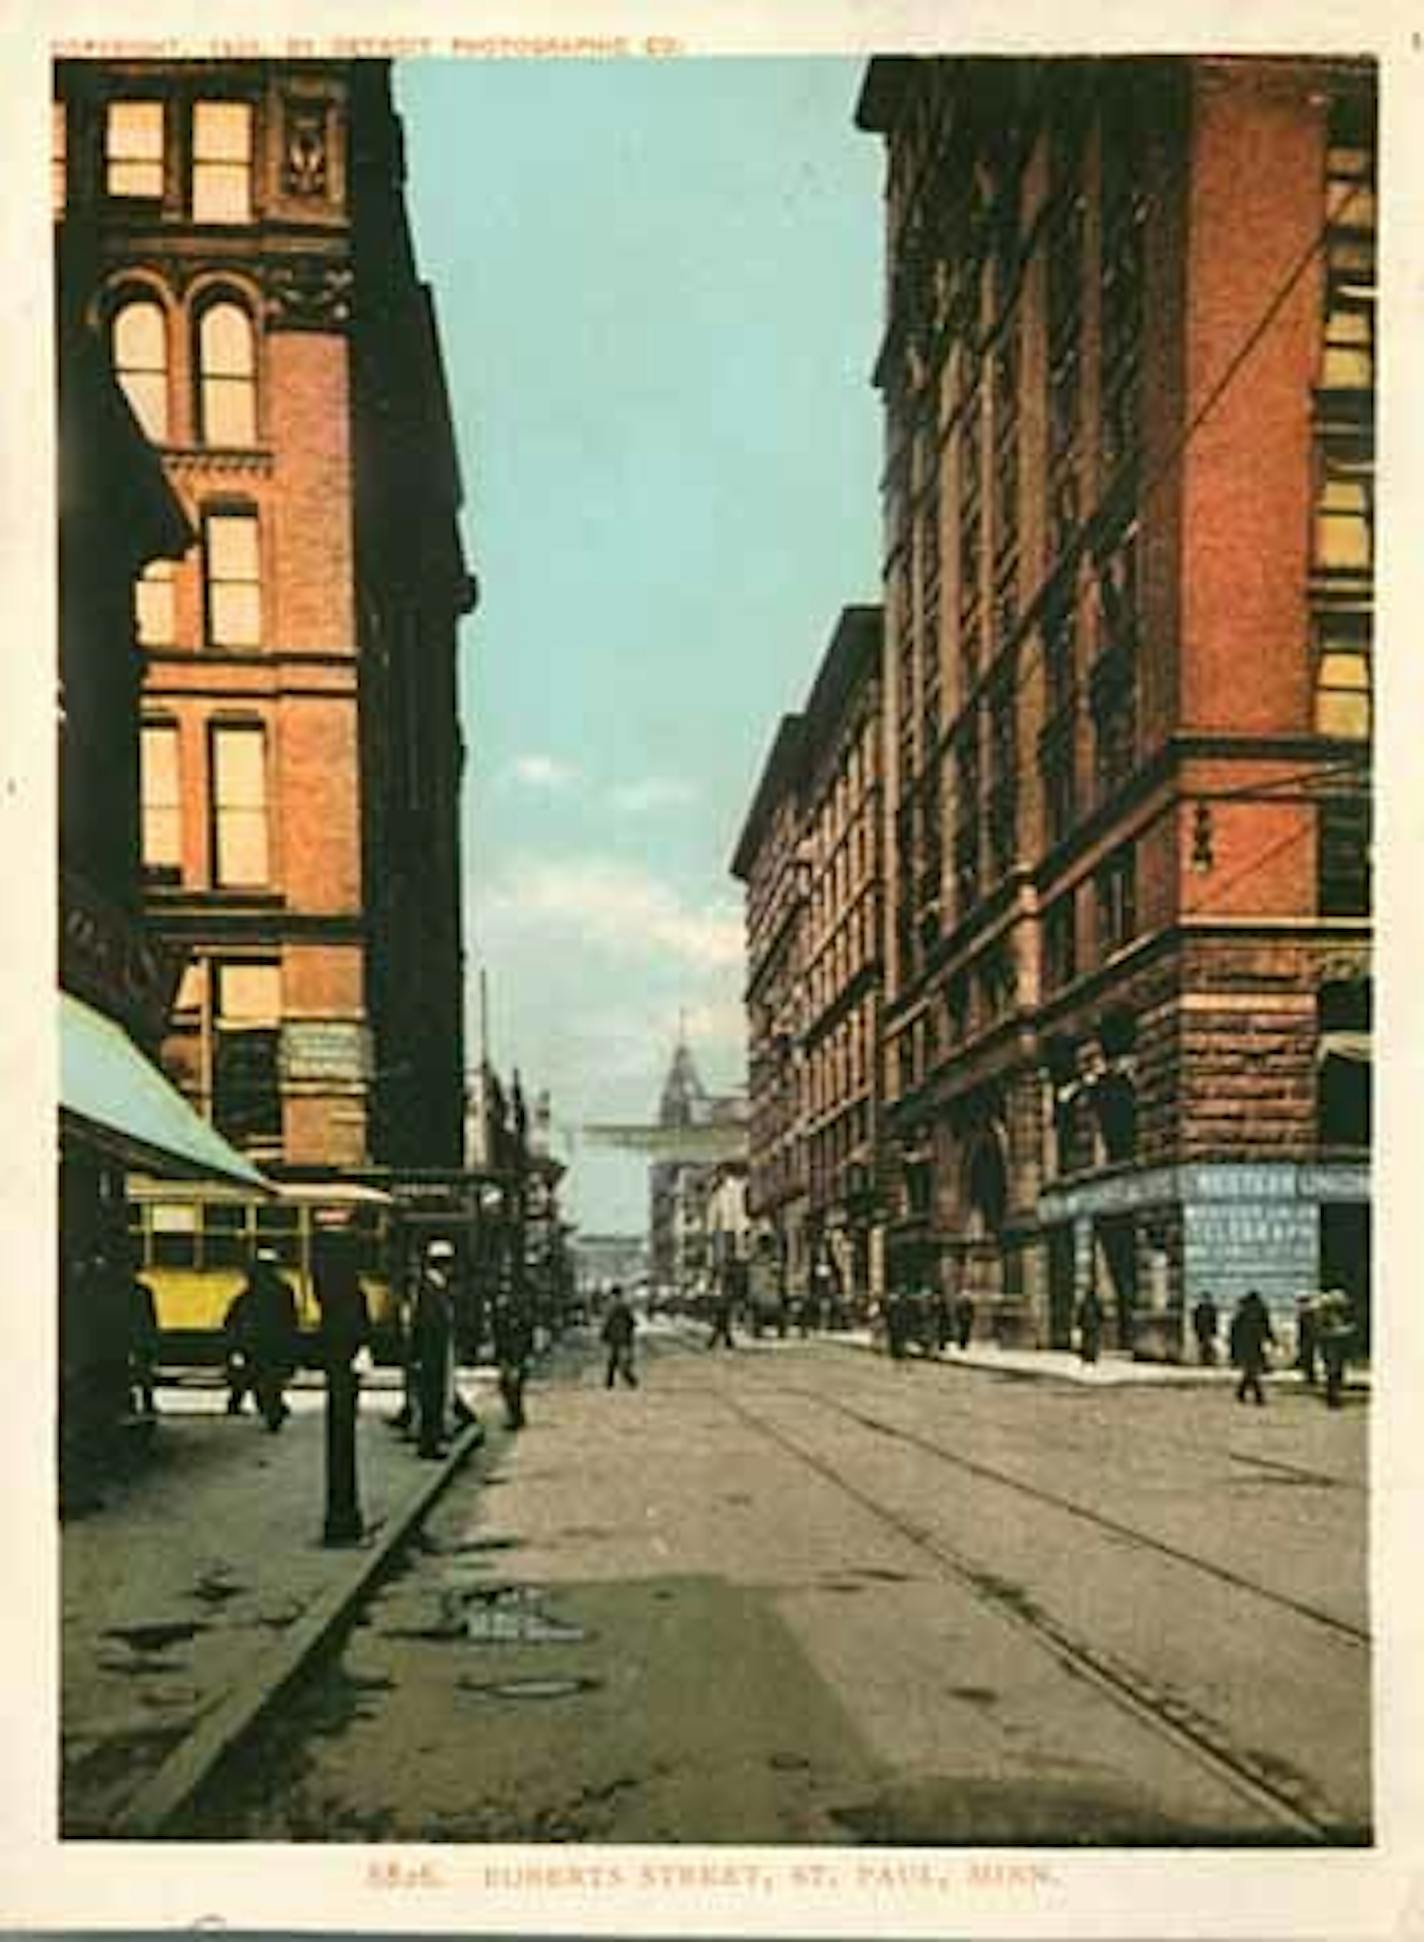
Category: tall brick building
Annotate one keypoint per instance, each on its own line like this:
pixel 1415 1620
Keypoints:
pixel 236 232
pixel 1128 378
pixel 810 856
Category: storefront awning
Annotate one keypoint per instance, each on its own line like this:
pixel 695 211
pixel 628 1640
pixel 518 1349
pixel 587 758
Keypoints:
pixel 110 1094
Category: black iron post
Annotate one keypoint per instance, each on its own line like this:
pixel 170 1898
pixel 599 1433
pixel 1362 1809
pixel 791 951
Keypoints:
pixel 343 1504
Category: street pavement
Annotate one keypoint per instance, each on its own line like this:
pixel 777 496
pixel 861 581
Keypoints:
pixel 796 1594
pixel 179 1596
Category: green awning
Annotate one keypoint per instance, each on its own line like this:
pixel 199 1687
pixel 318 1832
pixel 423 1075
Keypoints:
pixel 113 1096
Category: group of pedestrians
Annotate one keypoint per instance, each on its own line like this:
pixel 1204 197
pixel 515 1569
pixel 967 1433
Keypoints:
pixel 931 1319
pixel 1325 1340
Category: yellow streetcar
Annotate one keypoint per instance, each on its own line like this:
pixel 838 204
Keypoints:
pixel 193 1244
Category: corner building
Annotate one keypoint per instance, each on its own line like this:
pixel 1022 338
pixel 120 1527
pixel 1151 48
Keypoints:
pixel 236 233
pixel 1128 378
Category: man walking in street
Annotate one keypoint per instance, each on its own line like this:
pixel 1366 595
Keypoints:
pixel 1205 1320
pixel 513 1351
pixel 620 1325
pixel 1307 1334
pixel 721 1336
pixel 1251 1335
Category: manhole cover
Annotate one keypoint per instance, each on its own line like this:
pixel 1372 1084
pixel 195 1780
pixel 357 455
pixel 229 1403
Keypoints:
pixel 555 1687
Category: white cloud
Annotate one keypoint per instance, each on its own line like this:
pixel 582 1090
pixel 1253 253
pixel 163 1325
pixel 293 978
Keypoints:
pixel 652 792
pixel 618 906
pixel 542 772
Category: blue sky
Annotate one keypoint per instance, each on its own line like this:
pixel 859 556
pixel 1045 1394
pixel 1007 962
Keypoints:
pixel 659 293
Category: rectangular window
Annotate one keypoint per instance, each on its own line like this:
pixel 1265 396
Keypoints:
pixel 153 604
pixel 134 149
pixel 1344 509
pixel 162 802
pixel 222 162
pixel 234 579
pixel 247 1101
pixel 1343 857
pixel 174 1228
pixel 239 806
pixel 1115 887
pixel 58 154
pixel 1342 675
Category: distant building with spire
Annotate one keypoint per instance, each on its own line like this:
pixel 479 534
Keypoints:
pixel 685 1102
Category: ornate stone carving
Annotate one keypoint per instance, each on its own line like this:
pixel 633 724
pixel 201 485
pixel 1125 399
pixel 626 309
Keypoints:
pixel 304 160
pixel 306 295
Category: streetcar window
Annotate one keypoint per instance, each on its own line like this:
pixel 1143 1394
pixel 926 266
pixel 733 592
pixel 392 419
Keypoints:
pixel 278 1228
pixel 175 1234
pixel 226 1243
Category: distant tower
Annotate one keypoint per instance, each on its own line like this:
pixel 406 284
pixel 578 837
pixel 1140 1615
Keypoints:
pixel 685 1102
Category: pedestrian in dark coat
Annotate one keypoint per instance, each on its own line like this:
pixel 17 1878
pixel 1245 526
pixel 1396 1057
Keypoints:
pixel 143 1346
pixel 270 1336
pixel 1205 1320
pixel 721 1336
pixel 1090 1327
pixel 964 1321
pixel 897 1323
pixel 620 1325
pixel 943 1315
pixel 513 1351
pixel 1251 1336
pixel 431 1331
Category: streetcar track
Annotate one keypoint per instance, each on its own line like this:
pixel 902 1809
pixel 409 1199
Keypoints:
pixel 1171 1718
pixel 1084 1394
pixel 1356 1635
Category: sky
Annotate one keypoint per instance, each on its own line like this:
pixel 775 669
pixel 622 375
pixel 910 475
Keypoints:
pixel 658 285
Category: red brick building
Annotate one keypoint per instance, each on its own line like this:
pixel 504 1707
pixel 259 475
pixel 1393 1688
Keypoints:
pixel 1129 387
pixel 810 857
pixel 236 232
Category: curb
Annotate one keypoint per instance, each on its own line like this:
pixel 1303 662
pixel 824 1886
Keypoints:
pixel 1187 1379
pixel 178 1779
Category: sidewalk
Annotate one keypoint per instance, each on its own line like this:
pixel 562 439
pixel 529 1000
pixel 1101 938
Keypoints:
pixel 1113 1369
pixel 198 1587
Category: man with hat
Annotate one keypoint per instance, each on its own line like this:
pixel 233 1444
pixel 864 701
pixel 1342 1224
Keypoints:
pixel 431 1327
pixel 263 1332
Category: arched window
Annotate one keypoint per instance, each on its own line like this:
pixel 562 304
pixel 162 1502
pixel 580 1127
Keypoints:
pixel 227 376
pixel 140 347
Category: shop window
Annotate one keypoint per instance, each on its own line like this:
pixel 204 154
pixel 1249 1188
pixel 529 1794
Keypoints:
pixel 227 366
pixel 133 149
pixel 239 805
pixel 139 337
pixel 233 578
pixel 162 802
pixel 222 162
pixel 154 603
